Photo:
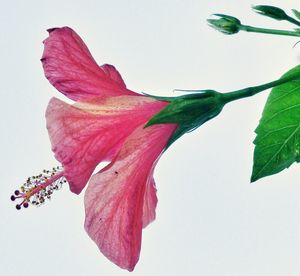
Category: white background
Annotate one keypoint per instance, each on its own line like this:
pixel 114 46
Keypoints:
pixel 210 220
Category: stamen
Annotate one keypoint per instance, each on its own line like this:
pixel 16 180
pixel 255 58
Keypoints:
pixel 40 187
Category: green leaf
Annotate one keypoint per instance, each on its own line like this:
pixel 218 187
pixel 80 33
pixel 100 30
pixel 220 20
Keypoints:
pixel 277 144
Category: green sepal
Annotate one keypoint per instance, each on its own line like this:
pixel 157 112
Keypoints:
pixel 199 93
pixel 226 24
pixel 159 98
pixel 189 112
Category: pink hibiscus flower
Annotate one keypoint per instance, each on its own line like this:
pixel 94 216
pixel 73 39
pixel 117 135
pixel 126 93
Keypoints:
pixel 106 123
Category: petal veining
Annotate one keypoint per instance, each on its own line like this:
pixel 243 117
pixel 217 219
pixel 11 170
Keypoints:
pixel 115 197
pixel 87 133
pixel 71 69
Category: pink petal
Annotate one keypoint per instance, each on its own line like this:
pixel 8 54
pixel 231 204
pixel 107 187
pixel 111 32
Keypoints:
pixel 115 197
pixel 112 72
pixel 71 69
pixel 87 133
pixel 150 201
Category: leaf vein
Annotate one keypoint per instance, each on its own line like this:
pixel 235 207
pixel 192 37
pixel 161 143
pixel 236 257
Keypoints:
pixel 269 146
pixel 284 95
pixel 276 130
pixel 281 111
pixel 278 151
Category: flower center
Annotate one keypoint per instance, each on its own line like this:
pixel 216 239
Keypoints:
pixel 40 187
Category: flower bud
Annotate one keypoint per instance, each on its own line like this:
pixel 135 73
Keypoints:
pixel 271 11
pixel 189 111
pixel 225 23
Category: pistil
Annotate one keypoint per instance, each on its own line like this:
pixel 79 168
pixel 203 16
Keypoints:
pixel 38 188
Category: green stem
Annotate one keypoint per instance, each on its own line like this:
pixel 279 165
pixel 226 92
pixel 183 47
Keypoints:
pixel 250 91
pixel 247 28
pixel 293 20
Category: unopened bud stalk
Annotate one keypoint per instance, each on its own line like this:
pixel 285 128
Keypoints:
pixel 251 29
pixel 230 25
